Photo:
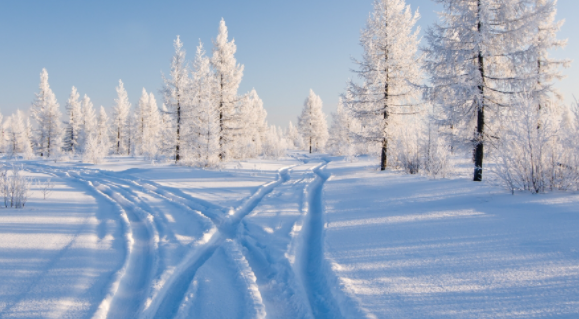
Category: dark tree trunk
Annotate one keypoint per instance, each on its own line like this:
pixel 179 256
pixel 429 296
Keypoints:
pixel 119 140
pixel 178 132
pixel 384 159
pixel 221 128
pixel 479 146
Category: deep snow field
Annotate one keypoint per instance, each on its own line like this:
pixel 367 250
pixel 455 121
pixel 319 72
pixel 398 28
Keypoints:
pixel 301 237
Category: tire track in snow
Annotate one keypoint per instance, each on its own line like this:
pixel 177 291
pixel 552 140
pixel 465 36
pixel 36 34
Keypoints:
pixel 167 303
pixel 106 305
pixel 209 210
pixel 130 288
pixel 315 279
pixel 282 292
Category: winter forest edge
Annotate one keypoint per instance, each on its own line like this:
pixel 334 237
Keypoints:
pixel 481 88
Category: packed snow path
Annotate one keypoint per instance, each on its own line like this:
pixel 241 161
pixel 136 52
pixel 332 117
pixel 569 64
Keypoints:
pixel 320 297
pixel 305 237
pixel 153 282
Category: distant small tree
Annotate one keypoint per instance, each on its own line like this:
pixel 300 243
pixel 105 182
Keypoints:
pixel 340 140
pixel 120 123
pixel 73 127
pixel 46 112
pixel 294 138
pixel 312 124
pixel 89 124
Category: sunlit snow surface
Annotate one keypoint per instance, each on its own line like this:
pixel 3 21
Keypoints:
pixel 302 237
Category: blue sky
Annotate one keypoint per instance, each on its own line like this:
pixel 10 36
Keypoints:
pixel 287 47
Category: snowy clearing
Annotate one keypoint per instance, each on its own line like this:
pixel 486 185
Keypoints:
pixel 303 237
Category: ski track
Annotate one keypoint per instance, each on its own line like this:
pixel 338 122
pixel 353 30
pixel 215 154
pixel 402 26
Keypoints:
pixel 315 279
pixel 132 287
pixel 130 284
pixel 130 294
pixel 169 299
pixel 273 271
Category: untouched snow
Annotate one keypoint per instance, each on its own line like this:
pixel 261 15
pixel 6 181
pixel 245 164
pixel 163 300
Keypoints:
pixel 303 237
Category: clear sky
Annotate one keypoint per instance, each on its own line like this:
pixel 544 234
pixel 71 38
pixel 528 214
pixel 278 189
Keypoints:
pixel 287 47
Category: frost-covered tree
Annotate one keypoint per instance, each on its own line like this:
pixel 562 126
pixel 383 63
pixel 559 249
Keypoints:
pixel 480 56
pixel 89 121
pixel 535 158
pixel 228 76
pixel 14 132
pixel 167 133
pixel 142 113
pixel 253 126
pixel 340 141
pixel 546 69
pixel 175 93
pixel 389 69
pixel 103 129
pixel 274 143
pixel 293 137
pixel 72 134
pixel 120 129
pixel 204 116
pixel 46 112
pixel 147 126
pixel 312 124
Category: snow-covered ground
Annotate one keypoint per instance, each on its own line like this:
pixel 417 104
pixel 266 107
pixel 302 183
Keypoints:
pixel 303 237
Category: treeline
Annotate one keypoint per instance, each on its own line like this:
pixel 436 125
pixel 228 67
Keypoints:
pixel 202 121
pixel 483 85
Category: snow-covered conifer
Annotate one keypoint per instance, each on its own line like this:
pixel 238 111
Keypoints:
pixel 167 133
pixel 482 55
pixel 152 128
pixel 72 134
pixel 46 112
pixel 204 133
pixel 274 144
pixel 228 76
pixel 27 150
pixel 293 137
pixel 546 69
pixel 340 141
pixel 103 129
pixel 88 126
pixel 175 93
pixel 120 129
pixel 253 126
pixel 312 124
pixel 13 132
pixel 389 68
pixel 142 113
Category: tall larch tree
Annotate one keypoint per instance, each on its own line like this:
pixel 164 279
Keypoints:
pixel 46 112
pixel 89 120
pixel 120 123
pixel 142 113
pixel 73 127
pixel 103 129
pixel 204 135
pixel 389 68
pixel 544 40
pixel 228 76
pixel 341 133
pixel 175 93
pixel 479 57
pixel 312 124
